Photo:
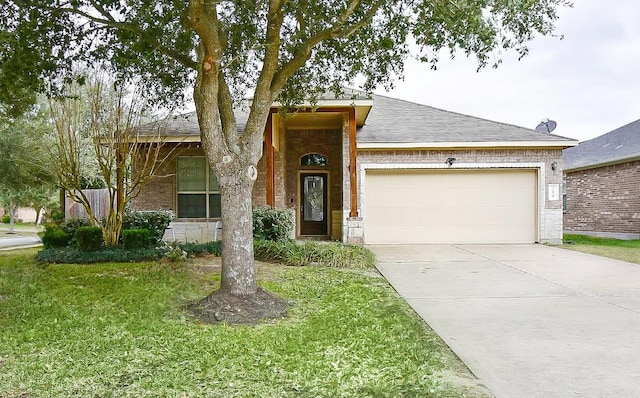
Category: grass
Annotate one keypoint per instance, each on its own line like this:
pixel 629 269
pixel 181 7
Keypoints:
pixel 625 250
pixel 120 329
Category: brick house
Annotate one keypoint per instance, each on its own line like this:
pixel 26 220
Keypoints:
pixel 373 169
pixel 603 185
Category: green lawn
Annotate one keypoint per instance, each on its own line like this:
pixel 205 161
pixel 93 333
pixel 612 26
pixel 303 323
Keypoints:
pixel 120 330
pixel 625 250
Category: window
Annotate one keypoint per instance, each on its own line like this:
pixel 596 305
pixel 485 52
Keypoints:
pixel 313 159
pixel 198 189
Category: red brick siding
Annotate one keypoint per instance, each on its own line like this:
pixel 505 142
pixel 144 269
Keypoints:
pixel 160 192
pixel 604 199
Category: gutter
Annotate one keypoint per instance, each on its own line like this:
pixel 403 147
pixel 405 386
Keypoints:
pixel 465 145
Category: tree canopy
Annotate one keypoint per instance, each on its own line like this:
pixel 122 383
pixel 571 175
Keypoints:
pixel 323 43
pixel 274 49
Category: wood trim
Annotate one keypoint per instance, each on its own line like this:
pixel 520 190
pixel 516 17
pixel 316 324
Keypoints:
pixel 270 163
pixel 353 150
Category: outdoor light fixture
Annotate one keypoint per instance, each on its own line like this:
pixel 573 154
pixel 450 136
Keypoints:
pixel 450 161
pixel 554 166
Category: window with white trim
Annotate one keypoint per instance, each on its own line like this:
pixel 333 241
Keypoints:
pixel 198 189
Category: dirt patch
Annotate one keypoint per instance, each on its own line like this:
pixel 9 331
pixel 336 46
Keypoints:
pixel 221 307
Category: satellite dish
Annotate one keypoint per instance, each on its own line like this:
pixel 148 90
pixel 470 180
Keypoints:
pixel 546 126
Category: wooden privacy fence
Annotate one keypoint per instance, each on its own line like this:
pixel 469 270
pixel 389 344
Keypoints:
pixel 99 200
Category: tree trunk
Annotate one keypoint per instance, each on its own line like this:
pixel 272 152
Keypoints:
pixel 13 214
pixel 238 269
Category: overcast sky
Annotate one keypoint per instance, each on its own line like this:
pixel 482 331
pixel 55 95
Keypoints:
pixel 589 82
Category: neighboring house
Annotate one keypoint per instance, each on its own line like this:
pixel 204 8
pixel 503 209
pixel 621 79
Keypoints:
pixel 378 170
pixel 25 214
pixel 603 185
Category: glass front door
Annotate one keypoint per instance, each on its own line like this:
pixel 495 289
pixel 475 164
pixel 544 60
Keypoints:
pixel 313 204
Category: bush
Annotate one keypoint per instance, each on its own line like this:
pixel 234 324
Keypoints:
pixel 89 238
pixel 56 217
pixel 331 254
pixel 156 222
pixel 272 224
pixel 71 225
pixel 72 255
pixel 6 219
pixel 199 249
pixel 136 238
pixel 55 237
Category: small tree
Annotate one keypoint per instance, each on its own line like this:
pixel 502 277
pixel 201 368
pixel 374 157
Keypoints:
pixel 25 179
pixel 109 121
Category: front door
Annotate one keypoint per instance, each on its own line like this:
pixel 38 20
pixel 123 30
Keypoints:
pixel 313 204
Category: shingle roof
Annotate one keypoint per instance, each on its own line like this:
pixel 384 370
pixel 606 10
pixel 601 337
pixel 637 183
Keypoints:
pixel 186 125
pixel 397 121
pixel 616 146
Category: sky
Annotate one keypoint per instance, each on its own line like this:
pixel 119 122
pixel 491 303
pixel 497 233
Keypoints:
pixel 589 82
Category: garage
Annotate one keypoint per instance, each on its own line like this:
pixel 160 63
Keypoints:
pixel 450 206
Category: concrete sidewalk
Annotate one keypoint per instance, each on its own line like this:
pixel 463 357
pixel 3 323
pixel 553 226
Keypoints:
pixel 528 320
pixel 10 242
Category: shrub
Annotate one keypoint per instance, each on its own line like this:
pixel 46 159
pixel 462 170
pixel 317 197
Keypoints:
pixel 89 238
pixel 199 249
pixel 136 238
pixel 272 224
pixel 56 217
pixel 72 255
pixel 156 222
pixel 331 254
pixel 55 237
pixel 6 219
pixel 71 225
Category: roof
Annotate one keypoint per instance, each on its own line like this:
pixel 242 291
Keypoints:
pixel 185 127
pixel 617 146
pixel 394 121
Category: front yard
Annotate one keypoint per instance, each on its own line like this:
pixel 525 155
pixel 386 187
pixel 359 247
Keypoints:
pixel 625 250
pixel 121 330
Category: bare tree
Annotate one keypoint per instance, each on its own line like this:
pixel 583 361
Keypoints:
pixel 108 114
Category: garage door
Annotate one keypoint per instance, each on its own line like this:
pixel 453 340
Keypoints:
pixel 450 206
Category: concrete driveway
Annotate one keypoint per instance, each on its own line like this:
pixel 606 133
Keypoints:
pixel 528 320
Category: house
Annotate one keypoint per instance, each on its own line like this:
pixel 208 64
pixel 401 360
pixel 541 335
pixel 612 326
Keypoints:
pixel 603 185
pixel 378 170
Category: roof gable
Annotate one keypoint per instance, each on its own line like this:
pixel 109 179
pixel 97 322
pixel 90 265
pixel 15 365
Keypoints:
pixel 616 146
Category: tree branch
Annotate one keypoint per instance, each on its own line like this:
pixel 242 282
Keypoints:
pixel 338 29
pixel 110 22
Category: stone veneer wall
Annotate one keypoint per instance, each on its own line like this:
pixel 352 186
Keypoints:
pixel 604 201
pixel 550 211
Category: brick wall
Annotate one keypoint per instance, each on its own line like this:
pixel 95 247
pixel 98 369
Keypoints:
pixel 604 200
pixel 160 191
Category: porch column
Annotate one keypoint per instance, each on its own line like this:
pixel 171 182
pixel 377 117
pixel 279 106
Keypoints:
pixel 352 163
pixel 270 160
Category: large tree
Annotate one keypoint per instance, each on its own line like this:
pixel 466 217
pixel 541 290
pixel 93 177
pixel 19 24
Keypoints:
pixel 224 48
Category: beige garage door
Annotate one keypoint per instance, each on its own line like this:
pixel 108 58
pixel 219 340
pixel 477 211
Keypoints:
pixel 450 206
